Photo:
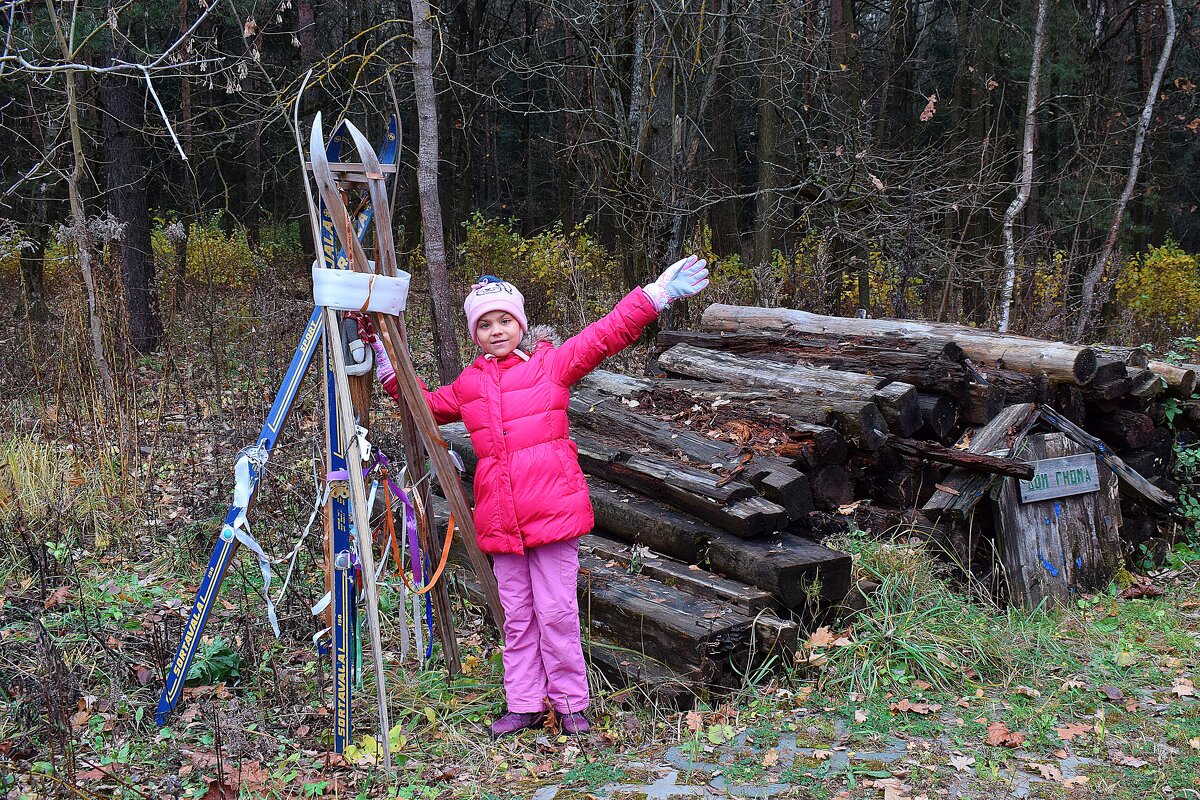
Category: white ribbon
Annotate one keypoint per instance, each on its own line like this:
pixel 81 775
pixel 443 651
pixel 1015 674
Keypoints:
pixel 346 290
pixel 243 489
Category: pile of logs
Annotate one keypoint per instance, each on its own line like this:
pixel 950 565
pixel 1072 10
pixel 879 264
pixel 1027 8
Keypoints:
pixel 715 476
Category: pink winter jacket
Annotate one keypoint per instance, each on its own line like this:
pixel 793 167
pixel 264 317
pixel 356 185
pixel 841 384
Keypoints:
pixel 529 489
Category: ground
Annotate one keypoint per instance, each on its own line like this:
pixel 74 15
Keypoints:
pixel 107 517
pixel 1092 701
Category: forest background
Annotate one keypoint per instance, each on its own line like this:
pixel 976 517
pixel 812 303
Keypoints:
pixel 826 154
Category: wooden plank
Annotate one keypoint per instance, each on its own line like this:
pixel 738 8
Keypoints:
pixel 972 462
pixel 1131 482
pixel 690 578
pixel 1055 549
pixel 960 491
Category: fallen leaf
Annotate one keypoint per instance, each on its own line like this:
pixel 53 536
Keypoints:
pixel 821 755
pixel 1047 771
pixel 1000 736
pixel 1027 691
pixel 1194 743
pixel 58 596
pixel 849 508
pixel 1072 683
pixel 821 637
pixel 905 706
pixel 878 184
pixel 1078 780
pixel 860 715
pixel 1071 730
pixel 770 758
pixel 694 720
pixel 1112 693
pixel 1184 687
pixel 962 763
pixel 1123 760
pixel 1141 587
pixel 219 791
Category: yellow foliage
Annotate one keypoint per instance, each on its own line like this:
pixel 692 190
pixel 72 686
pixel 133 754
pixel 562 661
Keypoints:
pixel 1162 289
pixel 567 277
pixel 228 261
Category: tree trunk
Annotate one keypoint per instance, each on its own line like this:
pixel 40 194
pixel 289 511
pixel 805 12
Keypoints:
pixel 1025 182
pixel 125 174
pixel 1092 279
pixel 444 340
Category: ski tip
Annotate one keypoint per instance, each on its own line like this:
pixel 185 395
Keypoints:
pixel 164 711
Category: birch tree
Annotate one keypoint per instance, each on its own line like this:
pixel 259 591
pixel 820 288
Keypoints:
pixel 1025 180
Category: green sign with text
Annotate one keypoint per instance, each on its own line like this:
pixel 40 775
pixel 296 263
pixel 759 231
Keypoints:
pixel 1061 477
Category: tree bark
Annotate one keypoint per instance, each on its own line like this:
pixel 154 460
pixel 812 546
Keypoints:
pixel 444 340
pixel 1025 182
pixel 1092 279
pixel 125 176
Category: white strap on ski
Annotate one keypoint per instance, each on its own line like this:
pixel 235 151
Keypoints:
pixel 346 290
pixel 243 490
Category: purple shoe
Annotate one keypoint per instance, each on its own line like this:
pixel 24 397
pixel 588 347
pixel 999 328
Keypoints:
pixel 574 723
pixel 515 721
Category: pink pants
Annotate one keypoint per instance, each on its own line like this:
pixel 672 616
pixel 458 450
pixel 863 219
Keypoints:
pixel 542 652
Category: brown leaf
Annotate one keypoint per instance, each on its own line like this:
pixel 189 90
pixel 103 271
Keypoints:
pixel 878 184
pixel 1141 587
pixel 1112 693
pixel 58 596
pixel 1000 736
pixel 1048 771
pixel 860 715
pixel 930 108
pixel 770 758
pixel 219 791
pixel 962 763
pixel 922 707
pixel 1071 730
pixel 1184 687
pixel 821 637
pixel 1123 760
pixel 143 673
pixel 1027 691
pixel 694 720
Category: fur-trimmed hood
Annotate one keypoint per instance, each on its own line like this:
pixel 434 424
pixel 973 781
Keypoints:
pixel 538 334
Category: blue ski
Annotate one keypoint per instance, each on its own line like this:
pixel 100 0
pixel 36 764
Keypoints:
pixel 226 544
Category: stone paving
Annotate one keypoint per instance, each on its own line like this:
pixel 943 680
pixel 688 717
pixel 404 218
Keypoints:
pixel 682 773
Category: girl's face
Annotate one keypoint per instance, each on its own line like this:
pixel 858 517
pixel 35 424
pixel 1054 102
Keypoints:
pixel 498 333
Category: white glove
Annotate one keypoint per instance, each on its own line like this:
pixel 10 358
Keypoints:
pixel 684 278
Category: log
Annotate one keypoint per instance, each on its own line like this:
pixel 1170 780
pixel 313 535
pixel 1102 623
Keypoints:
pixel 897 401
pixel 1122 428
pixel 699 582
pixel 1135 357
pixel 811 443
pixel 939 415
pixel 656 684
pixel 832 486
pixel 930 365
pixel 982 403
pixel 1054 550
pixel 777 480
pixel 967 460
pixel 689 634
pixel 729 504
pixel 1145 384
pixel 1071 402
pixel 859 421
pixel 1108 369
pixel 960 491
pixel 901 407
pixel 783 565
pixel 1181 381
pixel 1060 362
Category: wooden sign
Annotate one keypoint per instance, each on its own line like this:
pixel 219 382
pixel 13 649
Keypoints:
pixel 1061 477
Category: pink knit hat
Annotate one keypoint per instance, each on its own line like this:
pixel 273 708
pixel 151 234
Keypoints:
pixel 493 294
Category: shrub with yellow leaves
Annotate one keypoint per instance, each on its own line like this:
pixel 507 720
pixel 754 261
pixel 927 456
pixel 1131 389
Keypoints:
pixel 1161 290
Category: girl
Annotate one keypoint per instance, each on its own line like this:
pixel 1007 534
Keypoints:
pixel 531 499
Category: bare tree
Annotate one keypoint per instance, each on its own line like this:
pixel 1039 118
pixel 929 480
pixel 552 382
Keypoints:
pixel 433 236
pixel 1092 279
pixel 1025 179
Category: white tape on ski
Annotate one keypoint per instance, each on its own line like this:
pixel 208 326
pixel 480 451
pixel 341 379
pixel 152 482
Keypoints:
pixel 359 291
